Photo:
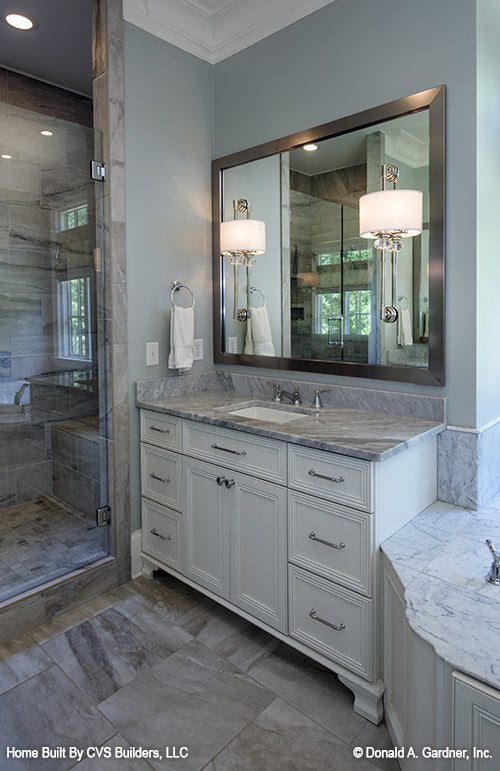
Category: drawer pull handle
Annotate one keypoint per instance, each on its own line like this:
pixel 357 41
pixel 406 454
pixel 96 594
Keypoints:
pixel 338 628
pixel 223 481
pixel 153 475
pixel 161 430
pixel 314 537
pixel 155 532
pixel 314 473
pixel 215 446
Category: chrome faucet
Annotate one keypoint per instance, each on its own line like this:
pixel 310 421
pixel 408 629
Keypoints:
pixel 19 394
pixel 493 576
pixel 277 391
pixel 294 397
pixel 316 403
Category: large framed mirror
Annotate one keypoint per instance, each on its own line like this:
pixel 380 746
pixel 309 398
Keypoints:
pixel 315 297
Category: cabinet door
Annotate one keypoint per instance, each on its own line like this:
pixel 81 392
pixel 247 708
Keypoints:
pixel 257 512
pixel 206 531
pixel 476 709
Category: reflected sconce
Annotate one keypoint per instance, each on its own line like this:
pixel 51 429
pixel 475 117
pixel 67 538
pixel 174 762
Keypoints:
pixel 241 240
pixel 389 216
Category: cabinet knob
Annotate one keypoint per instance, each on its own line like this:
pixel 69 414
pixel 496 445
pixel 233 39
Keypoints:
pixel 229 483
pixel 221 480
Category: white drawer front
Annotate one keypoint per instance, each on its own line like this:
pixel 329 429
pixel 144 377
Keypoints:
pixel 161 475
pixel 258 456
pixel 332 620
pixel 161 429
pixel 162 533
pixel 336 477
pixel 330 540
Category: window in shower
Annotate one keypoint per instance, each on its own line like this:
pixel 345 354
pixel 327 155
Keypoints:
pixel 75 217
pixel 74 318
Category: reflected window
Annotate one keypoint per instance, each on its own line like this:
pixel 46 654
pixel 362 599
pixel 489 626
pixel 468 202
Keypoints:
pixel 74 318
pixel 75 217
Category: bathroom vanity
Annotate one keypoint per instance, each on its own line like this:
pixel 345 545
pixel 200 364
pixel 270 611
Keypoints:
pixel 279 516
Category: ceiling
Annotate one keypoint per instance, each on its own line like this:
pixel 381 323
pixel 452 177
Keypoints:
pixel 59 50
pixel 216 29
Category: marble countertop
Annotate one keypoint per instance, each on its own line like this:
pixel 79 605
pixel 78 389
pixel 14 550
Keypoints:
pixel 441 559
pixel 362 434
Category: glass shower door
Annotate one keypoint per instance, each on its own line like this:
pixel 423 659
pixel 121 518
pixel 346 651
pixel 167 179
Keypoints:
pixel 53 432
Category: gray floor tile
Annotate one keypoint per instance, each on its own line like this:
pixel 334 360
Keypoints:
pixel 20 659
pixel 112 759
pixel 311 688
pixel 49 710
pixel 283 738
pixel 195 699
pixel 377 736
pixel 109 650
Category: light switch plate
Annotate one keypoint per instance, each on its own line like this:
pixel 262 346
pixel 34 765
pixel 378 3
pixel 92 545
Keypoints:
pixel 152 354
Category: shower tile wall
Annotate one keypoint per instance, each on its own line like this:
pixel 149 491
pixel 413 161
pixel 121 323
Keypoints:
pixel 32 189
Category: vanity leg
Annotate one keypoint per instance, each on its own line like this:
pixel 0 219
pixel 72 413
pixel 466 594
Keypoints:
pixel 147 568
pixel 367 697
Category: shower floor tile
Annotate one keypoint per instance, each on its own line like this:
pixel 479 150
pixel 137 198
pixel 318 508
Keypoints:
pixel 41 540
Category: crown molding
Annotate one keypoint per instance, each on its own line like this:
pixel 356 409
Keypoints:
pixel 216 29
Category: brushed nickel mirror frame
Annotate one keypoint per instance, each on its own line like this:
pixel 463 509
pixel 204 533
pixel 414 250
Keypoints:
pixel 432 100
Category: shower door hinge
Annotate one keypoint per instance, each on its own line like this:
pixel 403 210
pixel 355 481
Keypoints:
pixel 103 516
pixel 97 171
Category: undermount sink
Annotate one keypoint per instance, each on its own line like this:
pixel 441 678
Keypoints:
pixel 266 412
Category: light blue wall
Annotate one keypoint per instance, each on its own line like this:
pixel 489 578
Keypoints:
pixel 168 150
pixel 352 55
pixel 488 209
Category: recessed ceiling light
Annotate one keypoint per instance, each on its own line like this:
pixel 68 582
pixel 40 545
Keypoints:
pixel 310 148
pixel 46 133
pixel 6 156
pixel 21 21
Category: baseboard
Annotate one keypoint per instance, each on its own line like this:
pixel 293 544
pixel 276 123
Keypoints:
pixel 135 553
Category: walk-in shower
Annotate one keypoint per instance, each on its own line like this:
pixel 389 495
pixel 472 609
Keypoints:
pixel 53 427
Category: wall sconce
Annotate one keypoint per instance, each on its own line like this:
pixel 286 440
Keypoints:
pixel 241 240
pixel 389 216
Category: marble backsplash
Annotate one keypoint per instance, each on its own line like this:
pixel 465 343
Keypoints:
pixel 390 402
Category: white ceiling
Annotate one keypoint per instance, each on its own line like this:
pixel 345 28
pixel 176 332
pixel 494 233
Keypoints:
pixel 216 29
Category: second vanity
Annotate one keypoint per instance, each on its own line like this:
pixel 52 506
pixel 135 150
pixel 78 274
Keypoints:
pixel 277 512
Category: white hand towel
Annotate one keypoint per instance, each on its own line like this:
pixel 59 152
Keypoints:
pixel 405 336
pixel 261 332
pixel 181 339
pixel 249 346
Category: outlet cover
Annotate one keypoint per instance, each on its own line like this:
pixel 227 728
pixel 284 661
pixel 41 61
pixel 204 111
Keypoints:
pixel 198 349
pixel 232 344
pixel 152 354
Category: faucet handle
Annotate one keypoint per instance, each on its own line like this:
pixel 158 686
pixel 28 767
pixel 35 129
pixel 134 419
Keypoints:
pixel 493 576
pixel 277 391
pixel 317 399
pixel 296 396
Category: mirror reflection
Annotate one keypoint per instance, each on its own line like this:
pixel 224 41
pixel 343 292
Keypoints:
pixel 316 292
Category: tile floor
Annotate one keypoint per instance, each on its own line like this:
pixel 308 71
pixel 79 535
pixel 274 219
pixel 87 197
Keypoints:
pixel 156 665
pixel 43 539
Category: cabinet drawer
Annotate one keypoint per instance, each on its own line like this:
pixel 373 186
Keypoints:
pixel 336 477
pixel 238 450
pixel 161 533
pixel 317 606
pixel 161 429
pixel 330 540
pixel 160 475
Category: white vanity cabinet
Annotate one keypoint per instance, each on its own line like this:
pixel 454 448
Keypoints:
pixel 284 534
pixel 235 539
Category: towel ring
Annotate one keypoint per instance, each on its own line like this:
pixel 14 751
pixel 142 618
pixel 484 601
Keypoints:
pixel 254 289
pixel 177 285
pixel 401 299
